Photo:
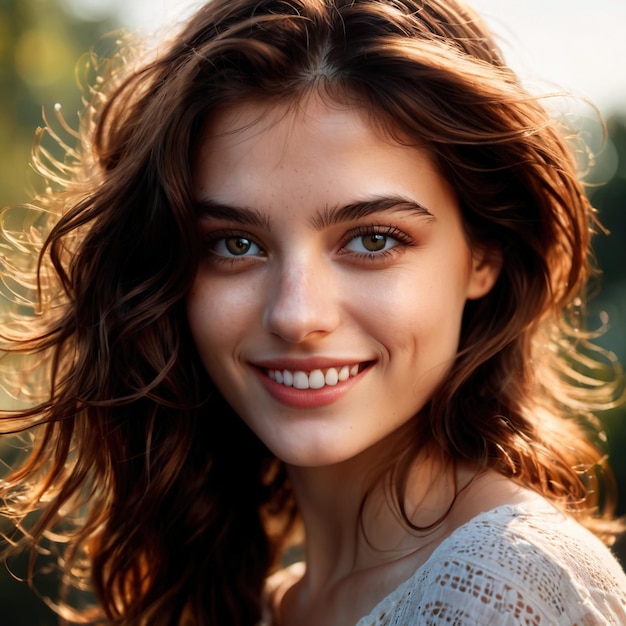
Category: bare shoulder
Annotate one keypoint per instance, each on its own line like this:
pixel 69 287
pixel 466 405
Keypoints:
pixel 488 491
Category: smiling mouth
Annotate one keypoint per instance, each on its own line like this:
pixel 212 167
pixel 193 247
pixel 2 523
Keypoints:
pixel 315 379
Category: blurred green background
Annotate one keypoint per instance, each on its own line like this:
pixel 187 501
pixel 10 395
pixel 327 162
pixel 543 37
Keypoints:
pixel 40 44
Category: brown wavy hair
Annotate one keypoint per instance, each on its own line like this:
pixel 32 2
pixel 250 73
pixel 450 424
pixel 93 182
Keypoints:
pixel 169 506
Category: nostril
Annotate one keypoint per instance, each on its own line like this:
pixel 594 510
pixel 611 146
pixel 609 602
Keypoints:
pixel 296 322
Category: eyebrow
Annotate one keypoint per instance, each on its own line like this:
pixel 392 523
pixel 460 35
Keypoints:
pixel 330 216
pixel 362 208
pixel 242 215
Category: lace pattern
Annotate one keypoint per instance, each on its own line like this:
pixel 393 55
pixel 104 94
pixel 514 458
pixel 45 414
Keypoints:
pixel 515 565
pixel 526 564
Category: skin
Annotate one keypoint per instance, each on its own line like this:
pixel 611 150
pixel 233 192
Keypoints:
pixel 328 244
pixel 306 295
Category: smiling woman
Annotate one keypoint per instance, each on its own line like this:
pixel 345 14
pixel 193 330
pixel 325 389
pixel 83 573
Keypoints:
pixel 340 271
pixel 318 278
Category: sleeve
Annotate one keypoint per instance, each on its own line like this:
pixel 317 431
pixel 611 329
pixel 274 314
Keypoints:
pixel 469 593
pixel 500 577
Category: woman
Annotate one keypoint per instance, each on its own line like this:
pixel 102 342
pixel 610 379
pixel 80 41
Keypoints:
pixel 319 271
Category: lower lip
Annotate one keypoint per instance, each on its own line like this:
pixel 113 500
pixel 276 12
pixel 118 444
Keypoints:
pixel 307 398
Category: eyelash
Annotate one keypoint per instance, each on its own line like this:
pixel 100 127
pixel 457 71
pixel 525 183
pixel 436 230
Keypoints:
pixel 402 239
pixel 211 239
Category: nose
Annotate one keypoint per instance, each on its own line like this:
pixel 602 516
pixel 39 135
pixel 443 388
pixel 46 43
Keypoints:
pixel 301 304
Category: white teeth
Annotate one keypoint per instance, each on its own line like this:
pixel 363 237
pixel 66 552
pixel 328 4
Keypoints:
pixel 331 378
pixel 315 379
pixel 300 380
pixel 287 378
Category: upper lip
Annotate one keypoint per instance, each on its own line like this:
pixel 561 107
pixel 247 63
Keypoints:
pixel 306 365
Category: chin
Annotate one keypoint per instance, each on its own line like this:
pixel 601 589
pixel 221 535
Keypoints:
pixel 311 458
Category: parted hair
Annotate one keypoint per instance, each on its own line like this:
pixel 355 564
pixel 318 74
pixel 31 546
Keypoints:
pixel 171 508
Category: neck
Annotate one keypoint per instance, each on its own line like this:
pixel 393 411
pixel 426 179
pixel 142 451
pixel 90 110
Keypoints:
pixel 352 522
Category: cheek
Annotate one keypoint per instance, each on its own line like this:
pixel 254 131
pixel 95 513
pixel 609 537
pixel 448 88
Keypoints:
pixel 213 319
pixel 416 307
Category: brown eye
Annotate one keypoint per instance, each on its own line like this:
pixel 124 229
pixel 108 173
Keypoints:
pixel 232 246
pixel 371 242
pixel 374 242
pixel 237 245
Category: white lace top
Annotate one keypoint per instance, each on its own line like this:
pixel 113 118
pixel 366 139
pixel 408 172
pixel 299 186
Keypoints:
pixel 524 564
pixel 519 564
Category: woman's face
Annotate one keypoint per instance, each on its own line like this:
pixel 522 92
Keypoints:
pixel 327 306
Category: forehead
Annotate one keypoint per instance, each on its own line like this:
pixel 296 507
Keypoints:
pixel 294 161
pixel 282 122
pixel 302 115
pixel 310 134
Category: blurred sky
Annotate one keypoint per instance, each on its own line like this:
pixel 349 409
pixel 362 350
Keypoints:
pixel 575 45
